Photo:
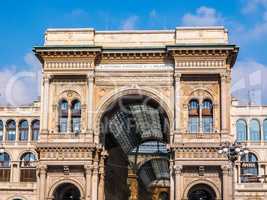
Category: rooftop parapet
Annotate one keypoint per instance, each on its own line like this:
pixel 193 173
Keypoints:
pixel 136 38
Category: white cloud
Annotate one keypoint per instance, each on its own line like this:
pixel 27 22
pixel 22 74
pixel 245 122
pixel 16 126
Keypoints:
pixel 130 23
pixel 249 81
pixel 204 16
pixel 251 6
pixel 20 87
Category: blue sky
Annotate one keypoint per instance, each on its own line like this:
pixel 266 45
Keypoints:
pixel 23 24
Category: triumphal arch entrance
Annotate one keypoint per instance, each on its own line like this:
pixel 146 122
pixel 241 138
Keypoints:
pixel 135 115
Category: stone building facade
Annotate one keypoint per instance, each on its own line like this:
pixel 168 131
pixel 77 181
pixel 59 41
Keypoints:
pixel 133 115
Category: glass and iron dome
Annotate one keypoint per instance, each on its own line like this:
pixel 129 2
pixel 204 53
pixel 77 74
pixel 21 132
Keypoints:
pixel 153 171
pixel 133 121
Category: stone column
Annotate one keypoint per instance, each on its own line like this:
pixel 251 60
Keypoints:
pixel 238 173
pixel 224 101
pixel 30 131
pixel 17 130
pixel 265 172
pixel 4 131
pixel 133 185
pixel 69 118
pixel 88 177
pixel 178 182
pixel 42 181
pixel 95 177
pixel 172 182
pixel 45 103
pixel 90 100
pixel 177 103
pixel 227 186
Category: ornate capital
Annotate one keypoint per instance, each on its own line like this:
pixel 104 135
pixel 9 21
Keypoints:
pixel 90 76
pixel 177 76
pixel 225 168
pixel 41 168
pixel 178 169
pixel 88 169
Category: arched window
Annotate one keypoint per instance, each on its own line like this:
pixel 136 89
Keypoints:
pixel 265 130
pixel 28 167
pixel 75 116
pixel 254 129
pixel 1 130
pixel 11 130
pixel 35 130
pixel 4 167
pixel 193 123
pixel 23 130
pixel 249 168
pixel 63 116
pixel 241 130
pixel 207 116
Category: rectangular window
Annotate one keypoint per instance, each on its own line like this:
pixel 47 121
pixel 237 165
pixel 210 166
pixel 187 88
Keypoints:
pixel 63 124
pixel 23 135
pixel 35 135
pixel 1 135
pixel 207 124
pixel 76 121
pixel 11 135
pixel 193 125
pixel 4 175
pixel 28 175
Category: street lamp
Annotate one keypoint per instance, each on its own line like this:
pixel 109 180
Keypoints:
pixel 232 152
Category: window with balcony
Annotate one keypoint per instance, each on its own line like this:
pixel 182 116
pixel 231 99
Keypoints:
pixel 254 129
pixel 1 130
pixel 241 130
pixel 76 116
pixel 207 116
pixel 265 130
pixel 35 130
pixel 28 167
pixel 4 167
pixel 249 168
pixel 11 130
pixel 193 110
pixel 23 130
pixel 63 116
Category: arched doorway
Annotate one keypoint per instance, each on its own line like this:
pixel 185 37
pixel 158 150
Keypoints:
pixel 128 124
pixel 201 192
pixel 66 191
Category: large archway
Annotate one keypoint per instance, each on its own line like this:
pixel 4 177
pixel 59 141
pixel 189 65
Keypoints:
pixel 201 192
pixel 67 191
pixel 127 127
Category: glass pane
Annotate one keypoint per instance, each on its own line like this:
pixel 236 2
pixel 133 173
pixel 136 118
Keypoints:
pixel 23 135
pixel 207 124
pixel 241 130
pixel 76 121
pixel 193 125
pixel 265 129
pixel 254 130
pixel 11 135
pixel 64 105
pixel 11 125
pixel 23 124
pixel 63 124
pixel 4 160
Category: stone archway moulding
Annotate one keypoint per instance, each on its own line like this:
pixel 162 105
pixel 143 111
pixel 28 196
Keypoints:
pixel 206 182
pixel 115 95
pixel 62 181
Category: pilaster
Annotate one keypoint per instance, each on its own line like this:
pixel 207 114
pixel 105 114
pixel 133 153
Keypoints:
pixel 178 181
